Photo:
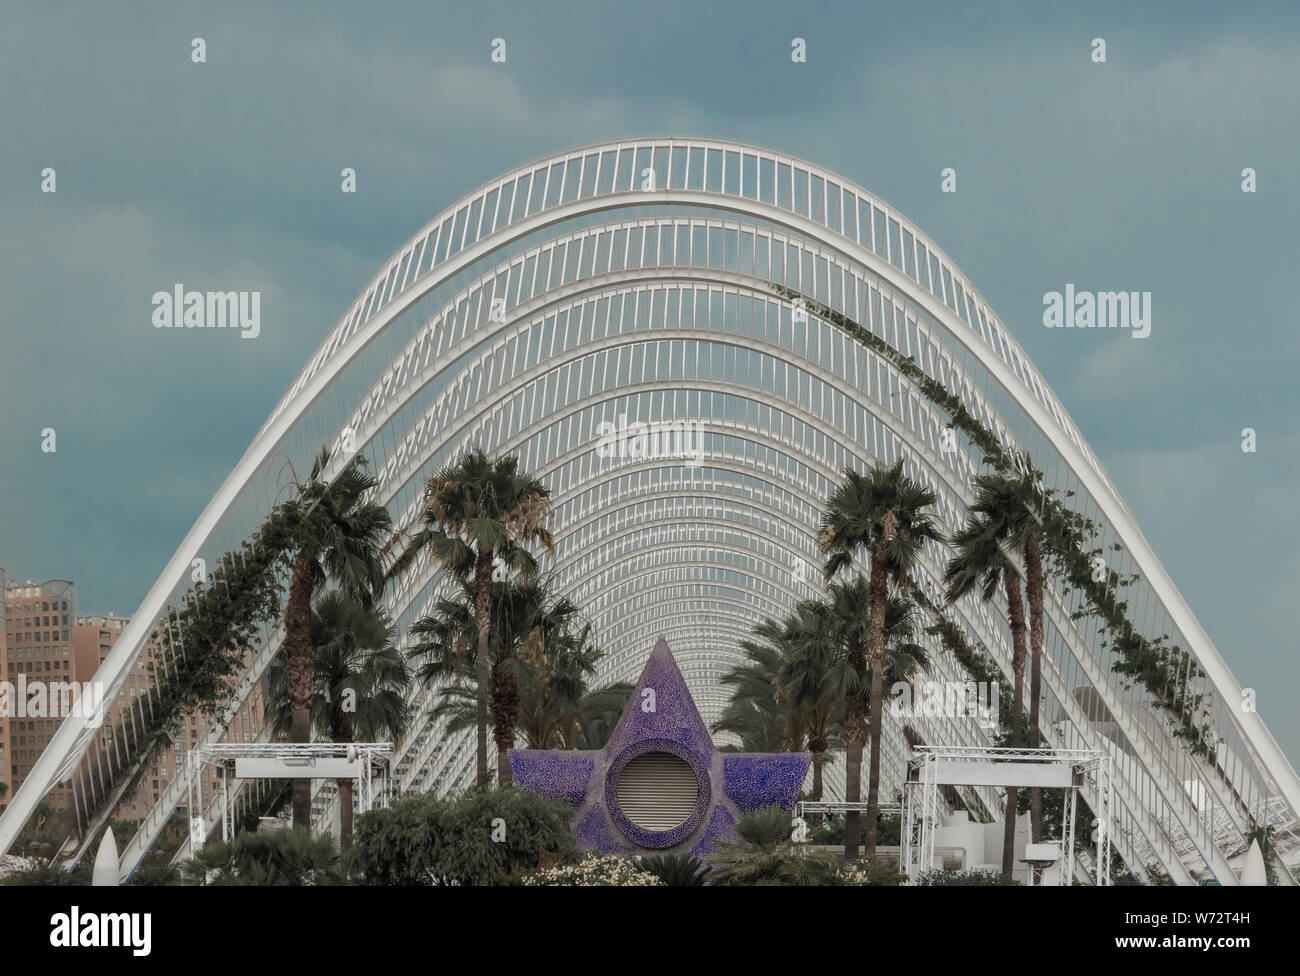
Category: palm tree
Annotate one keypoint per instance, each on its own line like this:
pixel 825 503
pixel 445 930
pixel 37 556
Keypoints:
pixel 765 855
pixel 831 642
pixel 598 713
pixel 478 510
pixel 883 513
pixel 536 624
pixel 761 712
pixel 781 698
pixel 338 537
pixel 290 858
pixel 523 615
pixel 979 560
pixel 557 708
pixel 359 679
pixel 585 724
pixel 445 643
pixel 1004 501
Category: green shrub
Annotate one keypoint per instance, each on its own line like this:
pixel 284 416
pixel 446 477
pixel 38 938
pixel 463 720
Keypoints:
pixel 537 834
pixel 49 874
pixel 153 875
pixel 827 830
pixel 889 830
pixel 765 826
pixel 674 870
pixel 595 870
pixel 399 844
pixel 830 830
pixel 965 879
pixel 767 855
pixel 482 837
pixel 276 858
pixel 869 874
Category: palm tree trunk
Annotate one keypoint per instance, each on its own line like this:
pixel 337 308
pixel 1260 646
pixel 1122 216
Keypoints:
pixel 818 760
pixel 1034 585
pixel 297 641
pixel 878 591
pixel 345 813
pixel 482 673
pixel 1016 613
pixel 853 722
pixel 505 713
pixel 873 770
pixel 339 732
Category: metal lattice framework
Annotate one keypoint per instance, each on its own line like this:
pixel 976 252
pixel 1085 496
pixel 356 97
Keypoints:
pixel 373 761
pixel 1088 768
pixel 642 282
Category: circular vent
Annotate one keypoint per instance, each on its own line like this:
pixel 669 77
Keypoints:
pixel 657 791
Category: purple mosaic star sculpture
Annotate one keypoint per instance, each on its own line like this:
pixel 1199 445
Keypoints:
pixel 661 718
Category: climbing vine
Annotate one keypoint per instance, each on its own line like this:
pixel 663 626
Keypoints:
pixel 1164 670
pixel 201 646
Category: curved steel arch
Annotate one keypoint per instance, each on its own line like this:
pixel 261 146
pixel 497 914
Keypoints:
pixel 429 302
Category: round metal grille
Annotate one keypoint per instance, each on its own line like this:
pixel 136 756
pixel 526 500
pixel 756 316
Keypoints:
pixel 657 791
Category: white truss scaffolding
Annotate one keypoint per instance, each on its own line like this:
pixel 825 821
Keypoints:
pixel 933 766
pixel 373 762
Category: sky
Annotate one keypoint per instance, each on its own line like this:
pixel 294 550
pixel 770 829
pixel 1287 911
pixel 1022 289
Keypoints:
pixel 1122 175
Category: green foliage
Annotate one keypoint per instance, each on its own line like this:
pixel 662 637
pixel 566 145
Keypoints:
pixel 543 660
pixel 536 830
pixel 599 712
pixel 828 830
pixel 675 870
pixel 765 827
pixel 49 874
pixel 291 857
pixel 873 873
pixel 204 642
pixel 1165 670
pixel 948 879
pixel 207 639
pixel 766 716
pixel 1268 847
pixel 768 857
pixel 423 840
pixel 975 660
pixel 595 870
pixel 155 875
pixel 733 865
pixel 890 831
pixel 400 844
pixel 44 833
pixel 358 676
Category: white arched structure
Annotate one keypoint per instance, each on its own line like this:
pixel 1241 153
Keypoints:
pixel 641 281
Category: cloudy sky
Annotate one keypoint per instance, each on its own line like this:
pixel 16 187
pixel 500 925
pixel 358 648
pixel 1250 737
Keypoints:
pixel 1123 175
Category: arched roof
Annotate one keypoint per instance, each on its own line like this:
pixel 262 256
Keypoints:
pixel 638 282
